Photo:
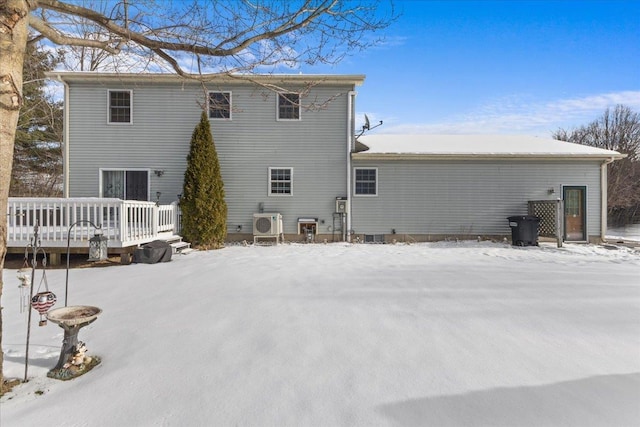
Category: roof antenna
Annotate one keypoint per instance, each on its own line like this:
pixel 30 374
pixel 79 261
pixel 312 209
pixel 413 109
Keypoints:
pixel 367 126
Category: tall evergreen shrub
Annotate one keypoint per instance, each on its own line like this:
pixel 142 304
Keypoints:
pixel 204 210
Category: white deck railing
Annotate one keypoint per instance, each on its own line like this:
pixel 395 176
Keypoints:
pixel 124 222
pixel 167 217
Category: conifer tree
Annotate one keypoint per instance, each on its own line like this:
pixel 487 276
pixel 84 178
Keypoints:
pixel 204 210
pixel 37 156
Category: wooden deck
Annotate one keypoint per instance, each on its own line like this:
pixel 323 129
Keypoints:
pixel 126 223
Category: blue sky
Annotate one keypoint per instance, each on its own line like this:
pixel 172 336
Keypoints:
pixel 525 67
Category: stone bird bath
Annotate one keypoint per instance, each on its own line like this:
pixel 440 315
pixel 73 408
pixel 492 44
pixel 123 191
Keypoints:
pixel 73 362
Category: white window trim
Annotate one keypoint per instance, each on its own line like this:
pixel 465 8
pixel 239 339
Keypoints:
pixel 109 122
pixel 355 181
pixel 230 105
pixel 278 119
pixel 100 170
pixel 269 193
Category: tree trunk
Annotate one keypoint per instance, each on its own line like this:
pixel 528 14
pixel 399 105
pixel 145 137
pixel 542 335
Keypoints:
pixel 14 20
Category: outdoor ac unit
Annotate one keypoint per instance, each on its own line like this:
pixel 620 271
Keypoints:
pixel 267 224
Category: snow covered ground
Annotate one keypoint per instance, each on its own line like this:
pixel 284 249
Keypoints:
pixel 441 334
pixel 627 232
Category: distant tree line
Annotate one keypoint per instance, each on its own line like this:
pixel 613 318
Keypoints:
pixel 617 129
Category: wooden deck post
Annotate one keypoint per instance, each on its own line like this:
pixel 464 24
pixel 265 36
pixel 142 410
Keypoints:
pixel 54 258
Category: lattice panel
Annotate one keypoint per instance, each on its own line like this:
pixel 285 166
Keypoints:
pixel 546 210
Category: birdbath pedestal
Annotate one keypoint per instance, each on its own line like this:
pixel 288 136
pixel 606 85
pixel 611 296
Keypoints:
pixel 73 361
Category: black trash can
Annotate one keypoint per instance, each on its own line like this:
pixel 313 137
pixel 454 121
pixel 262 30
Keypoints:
pixel 524 230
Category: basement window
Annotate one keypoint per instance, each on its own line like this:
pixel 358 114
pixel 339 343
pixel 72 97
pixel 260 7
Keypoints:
pixel 374 238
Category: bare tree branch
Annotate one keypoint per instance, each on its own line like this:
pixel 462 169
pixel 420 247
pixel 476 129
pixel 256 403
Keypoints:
pixel 214 30
pixel 59 38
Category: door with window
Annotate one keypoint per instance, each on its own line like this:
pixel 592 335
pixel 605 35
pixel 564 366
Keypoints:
pixel 126 184
pixel 575 218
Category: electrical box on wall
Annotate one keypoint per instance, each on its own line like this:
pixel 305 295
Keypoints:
pixel 341 204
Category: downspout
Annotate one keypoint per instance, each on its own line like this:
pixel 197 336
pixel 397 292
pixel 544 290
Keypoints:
pixel 603 198
pixel 350 134
pixel 65 139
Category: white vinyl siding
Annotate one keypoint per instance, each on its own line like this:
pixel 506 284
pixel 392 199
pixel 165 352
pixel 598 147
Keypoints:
pixel 119 106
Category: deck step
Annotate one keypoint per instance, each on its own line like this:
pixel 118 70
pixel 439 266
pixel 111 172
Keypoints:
pixel 180 247
pixel 172 239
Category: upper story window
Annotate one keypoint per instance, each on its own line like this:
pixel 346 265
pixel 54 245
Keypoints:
pixel 220 105
pixel 366 182
pixel 288 106
pixel 280 181
pixel 120 106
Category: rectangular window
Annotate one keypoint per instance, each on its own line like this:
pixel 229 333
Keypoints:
pixel 288 106
pixel 366 182
pixel 126 184
pixel 119 106
pixel 280 181
pixel 220 105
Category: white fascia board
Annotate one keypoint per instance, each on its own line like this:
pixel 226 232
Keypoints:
pixel 86 76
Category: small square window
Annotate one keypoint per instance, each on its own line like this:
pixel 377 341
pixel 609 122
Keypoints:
pixel 119 106
pixel 220 105
pixel 280 181
pixel 288 106
pixel 366 182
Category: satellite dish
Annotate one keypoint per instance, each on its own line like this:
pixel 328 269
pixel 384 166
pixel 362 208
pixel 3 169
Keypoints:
pixel 367 126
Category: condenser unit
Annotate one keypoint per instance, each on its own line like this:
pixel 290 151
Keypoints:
pixel 267 224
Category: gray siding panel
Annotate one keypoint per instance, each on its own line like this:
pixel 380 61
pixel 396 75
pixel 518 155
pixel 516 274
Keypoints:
pixel 164 116
pixel 466 197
